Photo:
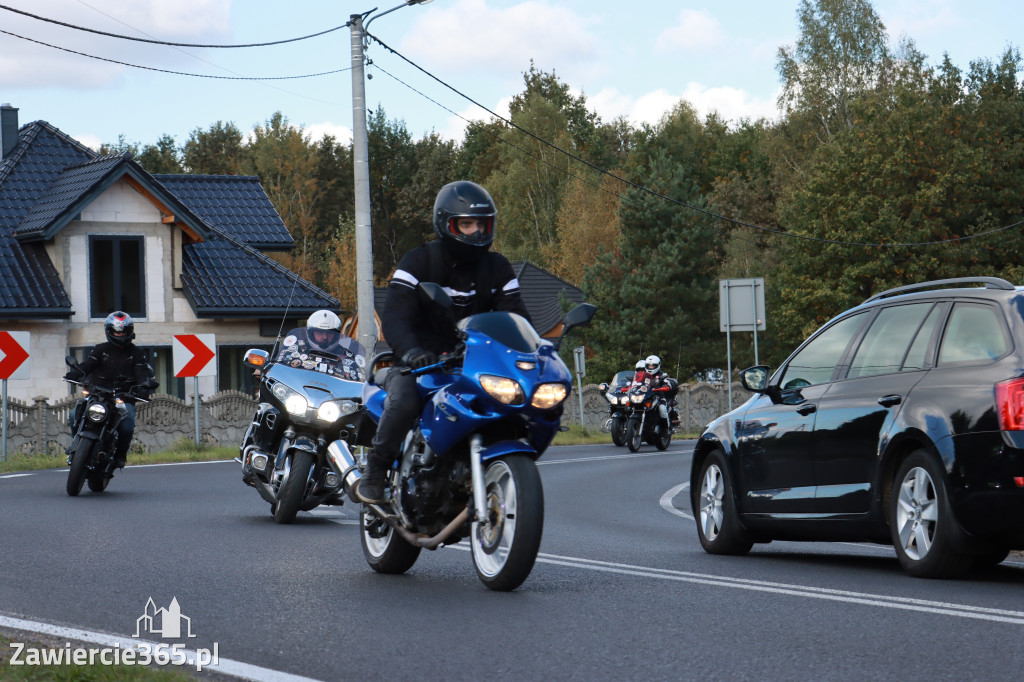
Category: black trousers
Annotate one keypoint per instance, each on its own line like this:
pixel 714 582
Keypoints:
pixel 401 409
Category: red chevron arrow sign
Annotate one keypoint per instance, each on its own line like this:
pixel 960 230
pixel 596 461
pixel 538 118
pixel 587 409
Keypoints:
pixel 13 354
pixel 193 354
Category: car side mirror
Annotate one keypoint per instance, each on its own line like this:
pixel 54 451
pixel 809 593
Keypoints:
pixel 755 379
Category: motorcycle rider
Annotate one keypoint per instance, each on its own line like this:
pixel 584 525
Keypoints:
pixel 660 381
pixel 123 366
pixel 322 333
pixel 477 279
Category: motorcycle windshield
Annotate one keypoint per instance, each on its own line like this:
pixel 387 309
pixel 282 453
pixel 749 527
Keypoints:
pixel 312 382
pixel 508 329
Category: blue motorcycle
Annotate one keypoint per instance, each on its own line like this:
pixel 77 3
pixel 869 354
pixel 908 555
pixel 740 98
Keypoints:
pixel 468 467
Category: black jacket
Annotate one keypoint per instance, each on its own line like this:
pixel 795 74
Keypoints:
pixel 475 287
pixel 118 368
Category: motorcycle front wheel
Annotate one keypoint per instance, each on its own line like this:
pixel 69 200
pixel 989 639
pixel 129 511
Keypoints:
pixel 384 549
pixel 634 435
pixel 618 430
pixel 505 548
pixel 289 497
pixel 79 466
pixel 664 436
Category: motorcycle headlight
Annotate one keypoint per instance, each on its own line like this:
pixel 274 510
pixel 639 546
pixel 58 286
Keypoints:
pixel 503 390
pixel 611 398
pixel 330 411
pixel 636 398
pixel 294 401
pixel 97 412
pixel 549 395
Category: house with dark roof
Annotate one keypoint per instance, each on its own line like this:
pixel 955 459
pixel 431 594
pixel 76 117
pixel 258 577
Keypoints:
pixel 82 235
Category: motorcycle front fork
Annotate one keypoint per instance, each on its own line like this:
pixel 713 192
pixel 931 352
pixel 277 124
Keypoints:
pixel 477 472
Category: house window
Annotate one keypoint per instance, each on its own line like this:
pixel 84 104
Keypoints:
pixel 117 279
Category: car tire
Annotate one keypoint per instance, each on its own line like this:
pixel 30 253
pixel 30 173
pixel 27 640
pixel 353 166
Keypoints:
pixel 718 520
pixel 921 521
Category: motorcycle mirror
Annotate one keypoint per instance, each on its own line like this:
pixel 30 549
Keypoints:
pixel 577 317
pixel 70 361
pixel 255 358
pixel 436 294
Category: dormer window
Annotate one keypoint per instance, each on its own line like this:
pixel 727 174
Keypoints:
pixel 116 275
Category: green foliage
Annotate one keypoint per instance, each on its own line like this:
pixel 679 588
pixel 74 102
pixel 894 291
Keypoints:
pixel 162 157
pixel 217 151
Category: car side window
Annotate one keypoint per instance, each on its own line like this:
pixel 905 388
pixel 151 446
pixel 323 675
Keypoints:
pixel 974 334
pixel 886 341
pixel 917 355
pixel 816 362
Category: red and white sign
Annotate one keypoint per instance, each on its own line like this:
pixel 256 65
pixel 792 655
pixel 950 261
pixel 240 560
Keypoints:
pixel 13 354
pixel 193 355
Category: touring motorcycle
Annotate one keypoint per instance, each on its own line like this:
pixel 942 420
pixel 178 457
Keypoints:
pixel 617 395
pixel 305 413
pixel 648 417
pixel 95 420
pixel 468 467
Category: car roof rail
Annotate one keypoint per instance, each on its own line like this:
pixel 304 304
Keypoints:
pixel 989 282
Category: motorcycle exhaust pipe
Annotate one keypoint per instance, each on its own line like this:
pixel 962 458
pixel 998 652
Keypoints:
pixel 344 464
pixel 424 541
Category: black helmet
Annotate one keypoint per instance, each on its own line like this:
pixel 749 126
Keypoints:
pixel 464 199
pixel 119 328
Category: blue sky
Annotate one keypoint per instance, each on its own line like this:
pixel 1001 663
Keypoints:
pixel 629 59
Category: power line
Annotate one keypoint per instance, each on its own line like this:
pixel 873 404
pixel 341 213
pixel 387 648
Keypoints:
pixel 683 204
pixel 177 73
pixel 164 42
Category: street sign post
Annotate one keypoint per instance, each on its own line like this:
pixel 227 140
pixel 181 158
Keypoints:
pixel 193 356
pixel 13 354
pixel 741 309
pixel 580 360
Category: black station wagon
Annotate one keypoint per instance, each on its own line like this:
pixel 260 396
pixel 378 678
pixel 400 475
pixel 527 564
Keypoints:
pixel 900 421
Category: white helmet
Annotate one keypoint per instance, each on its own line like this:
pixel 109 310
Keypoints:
pixel 639 365
pixel 653 363
pixel 323 329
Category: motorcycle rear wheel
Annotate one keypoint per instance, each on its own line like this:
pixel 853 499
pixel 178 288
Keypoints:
pixel 389 553
pixel 618 430
pixel 98 483
pixel 505 550
pixel 79 465
pixel 289 497
pixel 634 435
pixel 663 437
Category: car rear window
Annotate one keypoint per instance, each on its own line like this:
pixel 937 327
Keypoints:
pixel 886 341
pixel 974 334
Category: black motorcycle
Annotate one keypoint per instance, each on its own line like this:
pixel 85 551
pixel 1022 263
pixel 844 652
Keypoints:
pixel 649 417
pixel 96 418
pixel 306 417
pixel 617 395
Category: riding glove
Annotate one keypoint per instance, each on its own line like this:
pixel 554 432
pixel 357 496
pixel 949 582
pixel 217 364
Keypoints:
pixel 417 358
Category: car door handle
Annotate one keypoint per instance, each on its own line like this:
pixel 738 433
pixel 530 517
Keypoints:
pixel 806 409
pixel 890 400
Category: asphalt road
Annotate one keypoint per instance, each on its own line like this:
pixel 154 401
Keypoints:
pixel 622 589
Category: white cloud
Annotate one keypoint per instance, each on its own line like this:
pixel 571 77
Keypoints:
pixel 342 134
pixel 696 31
pixel 91 141
pixel 732 104
pixel 468 35
pixel 455 126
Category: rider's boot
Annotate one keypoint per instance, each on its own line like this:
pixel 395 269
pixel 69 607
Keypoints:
pixel 370 488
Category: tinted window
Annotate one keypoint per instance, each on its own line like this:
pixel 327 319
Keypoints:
pixel 916 357
pixel 886 341
pixel 974 333
pixel 816 362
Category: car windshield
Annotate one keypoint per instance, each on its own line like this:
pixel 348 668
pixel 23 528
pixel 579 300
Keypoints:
pixel 508 329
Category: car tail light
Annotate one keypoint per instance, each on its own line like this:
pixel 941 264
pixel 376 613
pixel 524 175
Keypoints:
pixel 1010 404
pixel 1019 480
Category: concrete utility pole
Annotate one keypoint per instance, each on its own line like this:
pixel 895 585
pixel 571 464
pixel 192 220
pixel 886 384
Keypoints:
pixel 367 329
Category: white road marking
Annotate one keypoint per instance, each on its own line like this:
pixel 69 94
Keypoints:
pixel 670 494
pixel 580 460
pixel 14 475
pixel 866 598
pixel 338 516
pixel 225 666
